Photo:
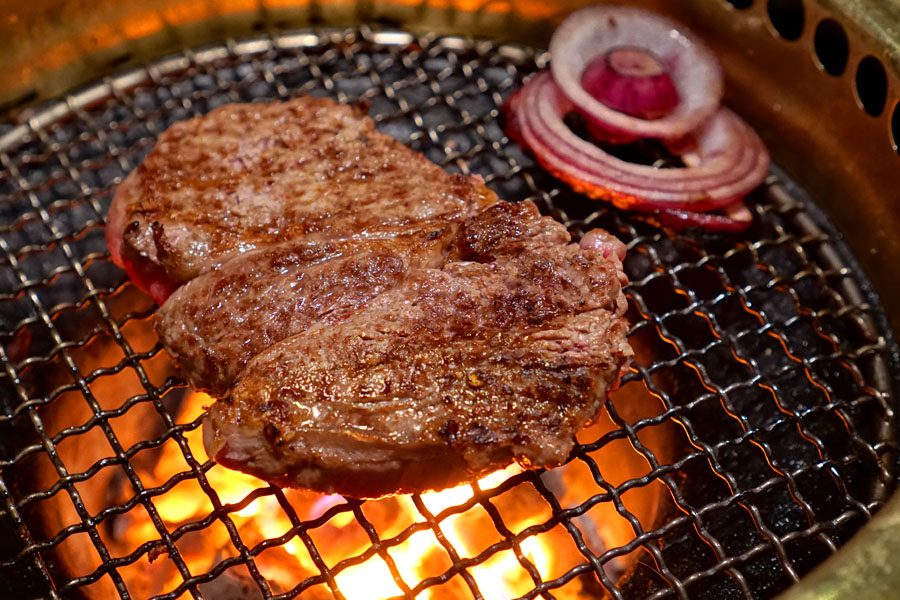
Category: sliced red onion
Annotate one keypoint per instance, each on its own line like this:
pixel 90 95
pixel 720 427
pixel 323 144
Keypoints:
pixel 728 161
pixel 596 30
pixel 736 217
pixel 632 81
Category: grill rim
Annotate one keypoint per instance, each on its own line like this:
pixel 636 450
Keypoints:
pixel 84 98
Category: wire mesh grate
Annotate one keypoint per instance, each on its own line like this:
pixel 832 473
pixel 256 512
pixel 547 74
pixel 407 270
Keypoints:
pixel 753 435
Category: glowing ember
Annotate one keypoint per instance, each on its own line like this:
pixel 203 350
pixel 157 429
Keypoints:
pixel 509 540
pixel 499 577
pixel 197 525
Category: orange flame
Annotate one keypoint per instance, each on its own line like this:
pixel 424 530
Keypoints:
pixel 471 531
pixel 507 540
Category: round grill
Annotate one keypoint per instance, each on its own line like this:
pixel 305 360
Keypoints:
pixel 757 417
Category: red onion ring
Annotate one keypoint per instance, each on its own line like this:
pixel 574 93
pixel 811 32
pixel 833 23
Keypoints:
pixel 731 159
pixel 593 31
pixel 632 81
pixel 736 218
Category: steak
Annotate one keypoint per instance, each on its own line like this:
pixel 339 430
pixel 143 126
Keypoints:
pixel 247 176
pixel 369 323
pixel 267 295
pixel 455 371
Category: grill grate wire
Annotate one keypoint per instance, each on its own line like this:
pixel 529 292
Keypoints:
pixel 767 351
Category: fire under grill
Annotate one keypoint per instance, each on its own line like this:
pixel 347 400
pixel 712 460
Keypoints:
pixel 753 435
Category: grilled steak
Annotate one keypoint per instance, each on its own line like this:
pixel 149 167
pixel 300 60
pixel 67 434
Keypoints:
pixel 370 323
pixel 262 297
pixel 247 176
pixel 453 372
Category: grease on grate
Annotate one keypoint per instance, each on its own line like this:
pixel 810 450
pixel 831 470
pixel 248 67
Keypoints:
pixel 753 435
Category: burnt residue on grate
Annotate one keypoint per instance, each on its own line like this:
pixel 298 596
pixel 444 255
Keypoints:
pixel 758 413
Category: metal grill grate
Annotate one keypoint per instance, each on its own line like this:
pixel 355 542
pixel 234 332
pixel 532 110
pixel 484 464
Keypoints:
pixel 758 415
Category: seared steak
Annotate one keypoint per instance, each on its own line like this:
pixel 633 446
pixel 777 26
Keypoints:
pixel 218 321
pixel 370 323
pixel 247 176
pixel 453 372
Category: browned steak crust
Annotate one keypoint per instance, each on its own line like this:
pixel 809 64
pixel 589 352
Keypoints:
pixel 371 323
pixel 247 176
pixel 454 372
pixel 214 324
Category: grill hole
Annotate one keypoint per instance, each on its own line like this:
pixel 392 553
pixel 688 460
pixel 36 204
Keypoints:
pixel 787 17
pixel 895 128
pixel 871 85
pixel 831 46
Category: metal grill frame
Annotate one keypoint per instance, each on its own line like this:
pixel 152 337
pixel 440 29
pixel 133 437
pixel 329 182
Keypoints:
pixel 778 200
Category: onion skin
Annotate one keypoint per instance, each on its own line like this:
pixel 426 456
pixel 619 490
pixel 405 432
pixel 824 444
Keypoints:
pixel 631 81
